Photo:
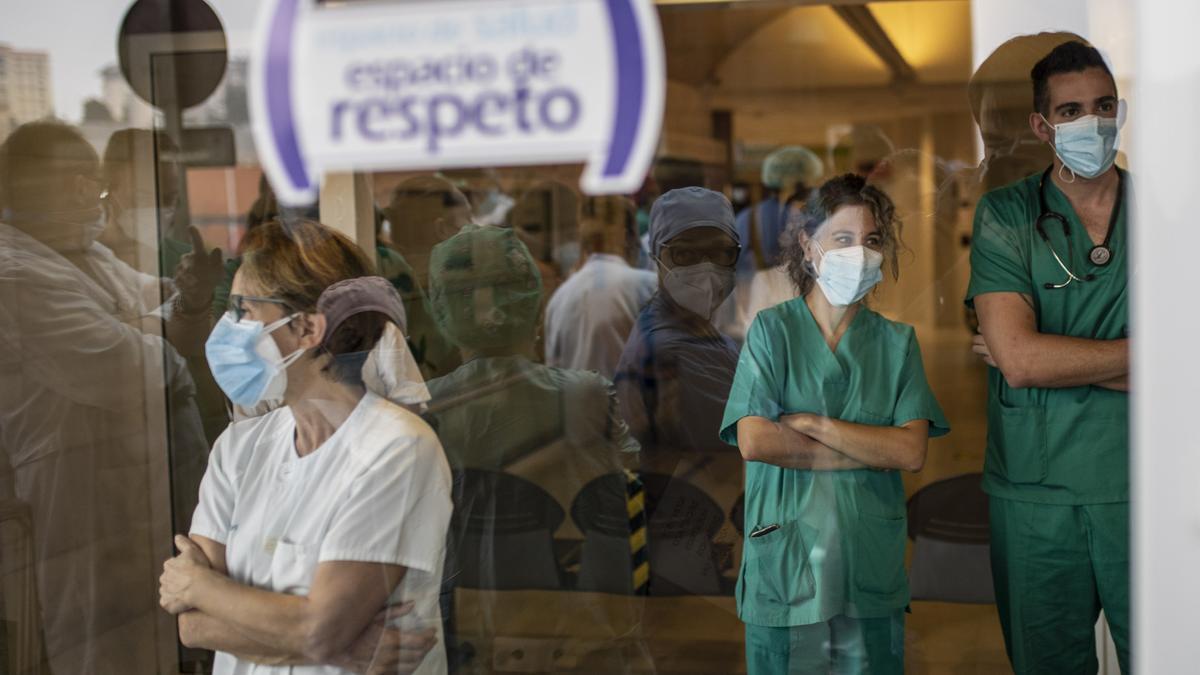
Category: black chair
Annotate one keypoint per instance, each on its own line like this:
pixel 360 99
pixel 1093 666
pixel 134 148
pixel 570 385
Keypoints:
pixel 737 514
pixel 501 533
pixel 948 523
pixel 681 522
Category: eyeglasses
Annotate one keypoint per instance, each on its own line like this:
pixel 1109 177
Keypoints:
pixel 237 304
pixel 684 256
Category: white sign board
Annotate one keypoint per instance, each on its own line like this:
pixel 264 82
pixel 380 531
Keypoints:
pixel 442 83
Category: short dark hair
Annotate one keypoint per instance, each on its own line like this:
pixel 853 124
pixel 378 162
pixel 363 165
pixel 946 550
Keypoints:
pixel 1005 71
pixel 1069 57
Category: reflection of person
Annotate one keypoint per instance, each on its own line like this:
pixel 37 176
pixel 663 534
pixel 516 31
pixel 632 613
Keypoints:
pixel 927 202
pixel 316 516
pixel 85 375
pixel 46 213
pixel 998 92
pixel 592 313
pixel 501 411
pixel 788 171
pixel 1048 279
pixel 489 202
pixel 860 150
pixel 830 399
pixel 485 293
pixel 264 209
pixel 423 212
pixel 771 286
pixel 676 368
pixel 546 218
pixel 141 198
pixel 142 204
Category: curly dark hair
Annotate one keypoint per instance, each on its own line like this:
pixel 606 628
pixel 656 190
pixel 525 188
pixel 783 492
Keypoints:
pixel 845 190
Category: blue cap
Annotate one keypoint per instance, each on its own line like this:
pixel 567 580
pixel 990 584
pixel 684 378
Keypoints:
pixel 686 208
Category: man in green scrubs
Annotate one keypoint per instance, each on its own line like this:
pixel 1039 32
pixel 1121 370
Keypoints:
pixel 829 402
pixel 1048 279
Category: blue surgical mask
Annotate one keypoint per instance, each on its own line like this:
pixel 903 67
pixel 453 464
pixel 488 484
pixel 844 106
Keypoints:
pixel 245 361
pixel 1087 146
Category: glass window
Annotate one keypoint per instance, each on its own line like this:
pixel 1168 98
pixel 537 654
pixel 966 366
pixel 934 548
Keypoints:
pixel 842 384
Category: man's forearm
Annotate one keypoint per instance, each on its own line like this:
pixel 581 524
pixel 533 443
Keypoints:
pixel 1030 358
pixel 1057 362
pixel 1116 384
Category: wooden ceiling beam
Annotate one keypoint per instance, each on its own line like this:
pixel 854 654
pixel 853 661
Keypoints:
pixel 860 20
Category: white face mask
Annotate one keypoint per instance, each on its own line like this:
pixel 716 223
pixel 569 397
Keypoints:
pixel 701 288
pixel 846 275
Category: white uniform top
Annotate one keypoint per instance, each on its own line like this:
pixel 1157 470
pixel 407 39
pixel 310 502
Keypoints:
pixel 378 490
pixel 81 438
pixel 590 316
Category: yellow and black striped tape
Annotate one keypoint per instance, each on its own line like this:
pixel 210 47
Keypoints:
pixel 636 506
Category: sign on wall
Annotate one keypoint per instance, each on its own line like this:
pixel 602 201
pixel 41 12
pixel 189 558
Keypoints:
pixel 445 83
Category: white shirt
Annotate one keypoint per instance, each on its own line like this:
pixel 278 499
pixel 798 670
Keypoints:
pixel 81 392
pixel 590 316
pixel 378 490
pixel 767 288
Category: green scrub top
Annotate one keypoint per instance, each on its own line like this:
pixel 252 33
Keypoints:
pixel 1053 446
pixel 839 549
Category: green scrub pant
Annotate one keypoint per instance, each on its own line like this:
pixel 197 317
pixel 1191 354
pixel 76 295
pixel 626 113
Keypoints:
pixel 1054 568
pixel 841 646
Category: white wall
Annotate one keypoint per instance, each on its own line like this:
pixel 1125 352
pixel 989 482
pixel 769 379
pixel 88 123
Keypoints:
pixel 1106 23
pixel 1166 371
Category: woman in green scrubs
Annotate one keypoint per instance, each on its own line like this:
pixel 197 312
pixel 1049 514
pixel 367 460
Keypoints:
pixel 829 403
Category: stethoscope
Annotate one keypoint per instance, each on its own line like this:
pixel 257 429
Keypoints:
pixel 1100 255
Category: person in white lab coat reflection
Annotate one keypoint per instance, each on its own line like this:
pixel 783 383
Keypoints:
pixel 592 313
pixel 83 425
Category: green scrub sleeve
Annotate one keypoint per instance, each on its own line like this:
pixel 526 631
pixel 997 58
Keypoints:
pixel 756 383
pixel 915 400
pixel 999 254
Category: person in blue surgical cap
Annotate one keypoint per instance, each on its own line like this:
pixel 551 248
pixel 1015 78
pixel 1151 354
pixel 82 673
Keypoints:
pixel 676 369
